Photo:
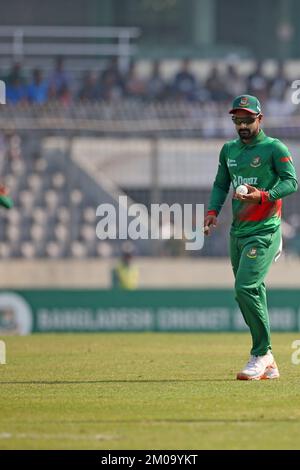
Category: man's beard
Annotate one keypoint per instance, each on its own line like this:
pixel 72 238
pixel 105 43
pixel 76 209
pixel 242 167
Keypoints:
pixel 245 133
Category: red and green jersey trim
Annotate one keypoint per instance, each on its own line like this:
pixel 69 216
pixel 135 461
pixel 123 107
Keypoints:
pixel 214 213
pixel 259 212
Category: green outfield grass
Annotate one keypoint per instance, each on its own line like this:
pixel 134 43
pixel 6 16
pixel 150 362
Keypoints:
pixel 145 391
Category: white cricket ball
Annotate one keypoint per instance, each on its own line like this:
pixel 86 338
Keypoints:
pixel 242 189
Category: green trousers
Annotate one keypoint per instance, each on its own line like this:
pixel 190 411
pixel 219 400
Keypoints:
pixel 251 258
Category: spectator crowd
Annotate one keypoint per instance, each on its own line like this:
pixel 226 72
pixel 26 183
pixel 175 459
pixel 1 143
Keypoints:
pixel 109 84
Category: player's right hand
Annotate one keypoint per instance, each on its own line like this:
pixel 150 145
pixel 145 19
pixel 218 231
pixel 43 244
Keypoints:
pixel 209 222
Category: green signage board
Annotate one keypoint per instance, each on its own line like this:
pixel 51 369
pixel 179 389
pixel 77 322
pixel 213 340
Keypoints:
pixel 27 311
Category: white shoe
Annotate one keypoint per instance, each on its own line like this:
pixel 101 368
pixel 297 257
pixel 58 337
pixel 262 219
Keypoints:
pixel 259 367
pixel 271 372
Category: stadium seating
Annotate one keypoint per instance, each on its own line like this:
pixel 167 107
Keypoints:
pixel 61 163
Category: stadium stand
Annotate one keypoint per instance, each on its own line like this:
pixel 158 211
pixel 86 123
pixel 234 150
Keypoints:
pixel 71 141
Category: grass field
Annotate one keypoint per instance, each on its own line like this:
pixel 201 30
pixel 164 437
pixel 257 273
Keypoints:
pixel 145 391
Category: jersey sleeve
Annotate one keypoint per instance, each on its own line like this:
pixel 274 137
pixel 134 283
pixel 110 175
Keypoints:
pixel 221 184
pixel 6 201
pixel 284 167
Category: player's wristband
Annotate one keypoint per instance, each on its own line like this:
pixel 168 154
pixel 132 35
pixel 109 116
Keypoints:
pixel 214 213
pixel 264 197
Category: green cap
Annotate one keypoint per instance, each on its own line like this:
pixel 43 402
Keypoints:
pixel 247 103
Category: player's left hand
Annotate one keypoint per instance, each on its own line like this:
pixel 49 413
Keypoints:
pixel 254 195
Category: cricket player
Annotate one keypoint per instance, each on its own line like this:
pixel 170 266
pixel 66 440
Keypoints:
pixel 264 165
pixel 5 200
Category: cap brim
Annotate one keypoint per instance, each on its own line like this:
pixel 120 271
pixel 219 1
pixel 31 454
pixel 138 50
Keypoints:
pixel 242 109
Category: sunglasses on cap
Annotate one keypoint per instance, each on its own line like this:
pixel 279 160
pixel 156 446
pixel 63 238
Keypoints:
pixel 246 120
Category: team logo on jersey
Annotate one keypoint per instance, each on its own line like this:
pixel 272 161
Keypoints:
pixel 252 253
pixel 256 162
pixel 244 101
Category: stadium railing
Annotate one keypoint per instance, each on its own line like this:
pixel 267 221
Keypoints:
pixel 20 42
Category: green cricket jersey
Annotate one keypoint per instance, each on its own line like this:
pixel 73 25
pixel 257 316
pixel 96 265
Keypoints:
pixel 265 163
